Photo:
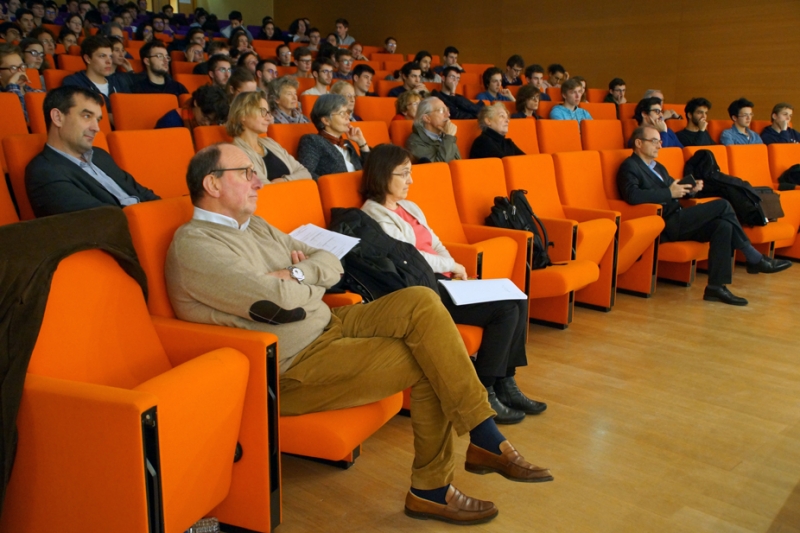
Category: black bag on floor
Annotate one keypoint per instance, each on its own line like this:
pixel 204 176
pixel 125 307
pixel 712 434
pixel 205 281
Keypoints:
pixel 516 213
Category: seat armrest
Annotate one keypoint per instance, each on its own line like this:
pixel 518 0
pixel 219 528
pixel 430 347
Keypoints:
pixel 582 214
pixel 341 299
pixel 691 202
pixel 562 233
pixel 629 211
pixel 465 254
pixel 524 240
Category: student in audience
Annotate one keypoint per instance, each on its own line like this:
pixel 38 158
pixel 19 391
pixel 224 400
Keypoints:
pixel 37 8
pixel 25 21
pixel 493 82
pixel 535 76
pixel 193 53
pixel 236 22
pixel 69 174
pixel 426 73
pixel 695 134
pixel 327 51
pixel 406 105
pixel 248 122
pixel 342 37
pixel 33 56
pixel 314 39
pixel 142 6
pixel 155 58
pixel 556 75
pixel 248 60
pixel 47 39
pixel 641 179
pixel 266 71
pixel 161 25
pixel 616 93
pixel 209 107
pixel 13 77
pixel 390 45
pixel 459 106
pixel 127 24
pixel 410 75
pixel 527 103
pixel 10 33
pixel 74 23
pixel 362 80
pixel 449 59
pixel 303 59
pixel 322 72
pixel 219 70
pixel 514 67
pixel 239 42
pixel 285 56
pixel 648 113
pixel 345 89
pixel 582 81
pixel 268 31
pixel 492 142
pixel 65 37
pixel 214 48
pixel 144 32
pixel 328 152
pixel 780 130
pixel 384 187
pixel 433 138
pixel 332 39
pixel 344 65
pixel 283 101
pixel 241 81
pixel 357 51
pixel 571 91
pixel 99 74
pixel 741 112
pixel 50 12
pixel 298 31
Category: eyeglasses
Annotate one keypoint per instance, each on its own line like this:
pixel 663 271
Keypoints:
pixel 404 174
pixel 248 171
pixel 162 57
pixel 656 111
pixel 655 141
pixel 440 110
pixel 304 61
pixel 326 72
pixel 223 70
pixel 35 53
pixel 271 71
pixel 265 112
pixel 346 61
pixel 47 41
pixel 16 68
pixel 344 113
pixel 517 70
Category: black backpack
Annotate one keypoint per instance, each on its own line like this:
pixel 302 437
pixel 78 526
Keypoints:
pixel 516 213
pixel 789 178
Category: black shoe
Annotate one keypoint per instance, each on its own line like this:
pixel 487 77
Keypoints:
pixel 505 415
pixel 722 294
pixel 768 266
pixel 509 394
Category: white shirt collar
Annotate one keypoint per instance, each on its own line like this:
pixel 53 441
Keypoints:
pixel 217 218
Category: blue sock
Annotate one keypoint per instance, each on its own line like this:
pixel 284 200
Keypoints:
pixel 434 495
pixel 486 435
pixel 751 255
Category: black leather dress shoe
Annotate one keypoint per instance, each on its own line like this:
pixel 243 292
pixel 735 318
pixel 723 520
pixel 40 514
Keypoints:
pixel 722 294
pixel 505 414
pixel 509 394
pixel 768 266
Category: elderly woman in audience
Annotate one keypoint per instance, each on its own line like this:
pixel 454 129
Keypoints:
pixel 241 81
pixel 527 103
pixel 406 105
pixel 249 118
pixel 384 187
pixel 283 101
pixel 424 59
pixel 347 90
pixel 328 152
pixel 492 142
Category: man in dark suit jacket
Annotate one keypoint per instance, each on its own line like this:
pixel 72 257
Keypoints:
pixel 70 175
pixel 641 180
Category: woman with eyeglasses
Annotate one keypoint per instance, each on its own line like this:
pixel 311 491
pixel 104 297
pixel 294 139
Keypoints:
pixel 47 39
pixel 329 152
pixel 384 187
pixel 74 23
pixel 347 90
pixel 248 120
pixel 33 56
pixel 283 101
pixel 144 32
pixel 527 103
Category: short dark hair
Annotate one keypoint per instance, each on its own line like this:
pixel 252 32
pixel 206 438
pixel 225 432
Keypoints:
pixel 193 32
pixel 91 44
pixel 300 52
pixel 343 22
pixel 235 15
pixel 261 63
pixel 421 55
pixel 239 76
pixel 63 99
pixel 738 105
pixel 408 67
pixel 32 3
pixel 556 67
pixel 326 50
pixel 23 11
pixel 644 106
pixel 278 49
pixel 341 52
pixel 36 32
pixel 94 17
pixel 447 70
pixel 533 69
pixel 202 164
pixel 572 83
pixel 214 60
pixel 515 61
pixel 487 75
pixel 694 103
pixel 316 65
pixel 450 50
pixel 638 134
pixel 361 68
pixel 312 30
pixel 616 82
pixel 775 110
pixel 212 101
pixel 244 55
pixel 144 51
pixel 378 169
pixel 525 93
pixel 215 46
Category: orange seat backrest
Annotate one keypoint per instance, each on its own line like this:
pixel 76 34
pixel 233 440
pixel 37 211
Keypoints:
pixel 307 102
pixel 600 111
pixel 523 132
pixel 676 124
pixel 34 81
pixel 628 126
pixel 71 63
pixel 304 84
pixel 382 87
pixel 288 135
pixel 375 132
pixel 672 159
pixel 54 77
pixel 781 157
pixel 472 90
pixel 596 96
pixel 720 154
pixel 544 109
pixel 339 190
pixel 136 65
pixel 716 127
pixel 558 136
pixel 182 67
pixel 289 205
pixel 385 57
pixel 626 110
pixel 192 82
pixel 140 111
pixel 536 175
pixel 393 66
pixel 376 108
pixel 34 102
pixel 152 226
pixel 99 312
pixel 555 94
pixel 468 131
pixel 157 159
pixel 610 161
pixel 579 177
pixel 751 163
pixel 13 121
pixel 476 183
pixel 208 135
pixel 477 68
pixel 399 131
pixel 759 126
pixel 602 135
pixel 8 213
pixel 432 191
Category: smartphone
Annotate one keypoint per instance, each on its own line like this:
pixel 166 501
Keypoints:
pixel 688 180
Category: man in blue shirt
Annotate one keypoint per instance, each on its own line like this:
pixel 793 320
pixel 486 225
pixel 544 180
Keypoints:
pixel 571 91
pixel 649 112
pixel 493 81
pixel 780 131
pixel 741 112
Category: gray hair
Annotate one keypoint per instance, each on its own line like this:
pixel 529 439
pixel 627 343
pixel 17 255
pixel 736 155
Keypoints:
pixel 277 85
pixel 649 93
pixel 325 106
pixel 489 112
pixel 425 107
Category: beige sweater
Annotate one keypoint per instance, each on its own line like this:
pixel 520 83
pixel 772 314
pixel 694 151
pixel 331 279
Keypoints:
pixel 215 274
pixel 296 170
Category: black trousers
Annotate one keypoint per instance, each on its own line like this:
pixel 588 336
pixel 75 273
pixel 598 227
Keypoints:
pixel 504 324
pixel 715 223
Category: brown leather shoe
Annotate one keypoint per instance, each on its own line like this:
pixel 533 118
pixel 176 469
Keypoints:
pixel 460 508
pixel 509 464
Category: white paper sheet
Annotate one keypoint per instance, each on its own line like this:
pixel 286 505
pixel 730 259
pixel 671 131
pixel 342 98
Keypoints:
pixel 475 291
pixel 324 239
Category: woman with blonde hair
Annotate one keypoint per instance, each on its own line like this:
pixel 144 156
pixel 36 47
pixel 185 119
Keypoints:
pixel 283 101
pixel 406 105
pixel 346 89
pixel 492 142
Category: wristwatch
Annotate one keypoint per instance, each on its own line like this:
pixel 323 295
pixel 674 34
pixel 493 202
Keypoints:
pixel 296 274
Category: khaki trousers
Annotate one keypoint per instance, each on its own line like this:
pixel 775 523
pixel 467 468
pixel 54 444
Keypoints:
pixel 369 352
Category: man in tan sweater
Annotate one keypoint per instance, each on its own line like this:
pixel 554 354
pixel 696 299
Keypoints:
pixel 230 268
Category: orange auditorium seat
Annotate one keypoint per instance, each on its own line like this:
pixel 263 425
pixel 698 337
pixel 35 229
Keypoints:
pixel 601 111
pixel 376 108
pixel 182 67
pixel 207 135
pixel 596 96
pixel 71 63
pixel 13 121
pixel 157 159
pixel 781 157
pixel 141 111
pixel 34 80
pixel 523 132
pixel 136 65
pixel 468 131
pixel 286 71
pixel 758 126
pixel 393 66
pixel 472 90
pixel 34 102
pixel 602 135
pixel 544 109
pixel 382 87
pixel 192 82
pixel 477 68
pixel 399 130
pixel 555 94
pixel 288 135
pixel 304 84
pixel 628 126
pixel 306 102
pixel 558 136
pixel 672 159
pixel 386 57
pixel 626 110
pixel 375 132
pixel 716 127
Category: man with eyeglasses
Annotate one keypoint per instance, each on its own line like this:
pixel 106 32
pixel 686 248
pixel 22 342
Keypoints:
pixel 156 78
pixel 648 112
pixel 616 93
pixel 459 106
pixel 219 70
pixel 284 55
pixel 266 71
pixel 12 74
pixel 99 75
pixel 433 136
pixel 302 56
pixel 514 67
pixel 642 180
pixel 314 38
pixel 50 13
pixel 741 112
pixel 344 65
pixel 69 174
pixel 322 71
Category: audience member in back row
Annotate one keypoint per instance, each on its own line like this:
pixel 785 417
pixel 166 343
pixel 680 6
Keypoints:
pixel 695 134
pixel 70 175
pixel 556 75
pixel 648 113
pixel 389 45
pixel 214 48
pixel 514 67
pixel 322 72
pixel 459 106
pixel 406 105
pixel 99 74
pixel 328 152
pixel 492 142
pixel 236 22
pixel 433 136
pixel 527 102
pixel 302 56
pixel 266 71
pixel 283 101
pixel 241 81
pixel 616 93
pixel 345 89
pixel 780 131
pixel 449 59
pixel 741 112
pixel 209 107
pixel 248 122
pixel 410 74
pixel 493 83
pixel 12 74
pixel 219 69
pixel 156 80
pixel 427 74
pixel 344 65
pixel 342 36
pixel 535 76
pixel 571 91
pixel 362 80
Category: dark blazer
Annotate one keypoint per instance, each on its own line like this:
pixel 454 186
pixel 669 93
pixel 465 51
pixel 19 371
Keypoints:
pixel 638 185
pixel 320 157
pixel 57 185
pixel 492 144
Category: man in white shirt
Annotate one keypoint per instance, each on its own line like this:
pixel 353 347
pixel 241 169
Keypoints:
pixel 322 71
pixel 99 75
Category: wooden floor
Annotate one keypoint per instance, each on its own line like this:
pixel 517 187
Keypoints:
pixel 665 415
